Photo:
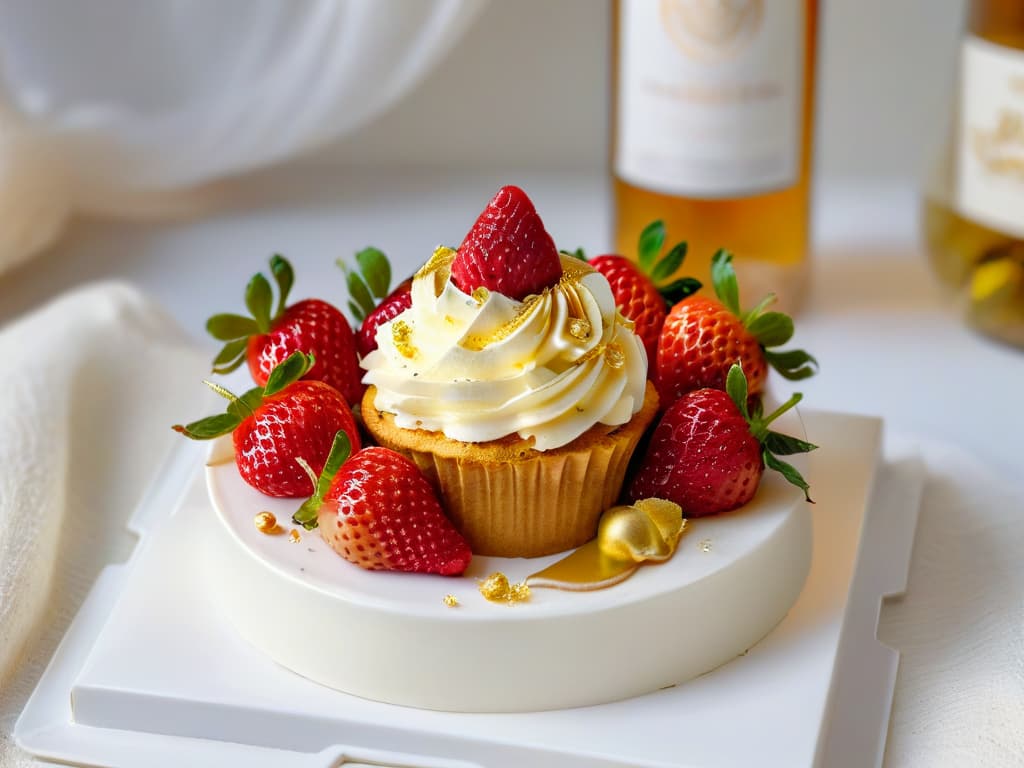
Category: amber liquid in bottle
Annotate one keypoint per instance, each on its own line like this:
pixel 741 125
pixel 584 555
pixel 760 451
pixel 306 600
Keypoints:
pixel 767 230
pixel 975 240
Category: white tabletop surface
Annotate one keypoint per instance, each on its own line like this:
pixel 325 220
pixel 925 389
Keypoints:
pixel 888 337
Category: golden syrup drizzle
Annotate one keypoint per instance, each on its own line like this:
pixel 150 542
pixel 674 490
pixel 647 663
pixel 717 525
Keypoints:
pixel 477 342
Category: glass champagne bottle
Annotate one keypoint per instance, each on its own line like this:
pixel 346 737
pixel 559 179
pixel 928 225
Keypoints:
pixel 973 213
pixel 712 127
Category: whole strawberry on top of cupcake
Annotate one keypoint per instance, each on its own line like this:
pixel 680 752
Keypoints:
pixel 514 383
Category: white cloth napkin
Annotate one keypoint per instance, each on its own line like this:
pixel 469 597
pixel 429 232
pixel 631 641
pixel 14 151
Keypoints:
pixel 959 697
pixel 92 383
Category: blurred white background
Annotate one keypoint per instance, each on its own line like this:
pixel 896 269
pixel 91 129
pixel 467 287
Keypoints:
pixel 528 85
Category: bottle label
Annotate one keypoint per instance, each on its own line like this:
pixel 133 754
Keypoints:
pixel 990 142
pixel 710 96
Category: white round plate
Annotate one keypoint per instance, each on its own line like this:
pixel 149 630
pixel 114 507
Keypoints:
pixel 390 636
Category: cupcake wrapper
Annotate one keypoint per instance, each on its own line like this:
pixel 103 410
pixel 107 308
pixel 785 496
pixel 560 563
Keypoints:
pixel 544 503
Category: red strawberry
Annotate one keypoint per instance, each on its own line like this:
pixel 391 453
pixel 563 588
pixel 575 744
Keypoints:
pixel 703 337
pixel 394 304
pixel 275 426
pixel 636 285
pixel 370 281
pixel 507 250
pixel 707 453
pixel 377 510
pixel 265 340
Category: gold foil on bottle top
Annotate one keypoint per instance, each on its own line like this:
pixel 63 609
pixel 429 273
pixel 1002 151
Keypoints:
pixel 401 334
pixel 629 535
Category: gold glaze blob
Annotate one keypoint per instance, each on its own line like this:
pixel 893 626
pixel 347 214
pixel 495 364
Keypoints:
pixel 627 536
pixel 266 522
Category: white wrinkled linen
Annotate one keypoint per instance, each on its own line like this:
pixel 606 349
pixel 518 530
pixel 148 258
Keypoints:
pixel 122 108
pixel 90 385
pixel 959 697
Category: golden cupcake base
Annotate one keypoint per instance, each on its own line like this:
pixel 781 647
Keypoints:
pixel 510 500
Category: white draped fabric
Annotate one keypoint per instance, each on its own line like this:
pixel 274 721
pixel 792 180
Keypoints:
pixel 118 107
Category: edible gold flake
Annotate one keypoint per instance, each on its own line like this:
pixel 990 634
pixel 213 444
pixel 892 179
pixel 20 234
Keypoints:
pixel 294 536
pixel 480 295
pixel 477 342
pixel 519 593
pixel 580 328
pixel 573 269
pixel 441 260
pixel 589 355
pixel 497 589
pixel 614 356
pixel 401 333
pixel 450 600
pixel 705 545
pixel 266 523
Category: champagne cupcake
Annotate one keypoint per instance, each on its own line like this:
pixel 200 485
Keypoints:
pixel 515 385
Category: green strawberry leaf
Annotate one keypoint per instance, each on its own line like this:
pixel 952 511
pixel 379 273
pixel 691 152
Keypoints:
pixel 679 289
pixel 669 265
pixel 290 370
pixel 361 302
pixel 228 327
pixel 736 388
pixel 258 298
pixel 723 278
pixel 284 276
pixel 786 445
pixel 772 328
pixel 788 471
pixel 210 427
pixel 759 426
pixel 231 356
pixel 244 406
pixel 375 271
pixel 651 241
pixel 306 516
pixel 356 311
pixel 795 364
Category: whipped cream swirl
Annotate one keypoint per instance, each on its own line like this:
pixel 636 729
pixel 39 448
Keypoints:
pixel 482 367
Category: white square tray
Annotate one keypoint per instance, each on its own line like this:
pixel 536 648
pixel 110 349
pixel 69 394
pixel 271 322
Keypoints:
pixel 150 675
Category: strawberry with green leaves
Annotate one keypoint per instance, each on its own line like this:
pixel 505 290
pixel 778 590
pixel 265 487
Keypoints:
pixel 377 510
pixel 507 250
pixel 708 453
pixel 702 337
pixel 639 287
pixel 275 426
pixel 272 333
pixel 368 282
